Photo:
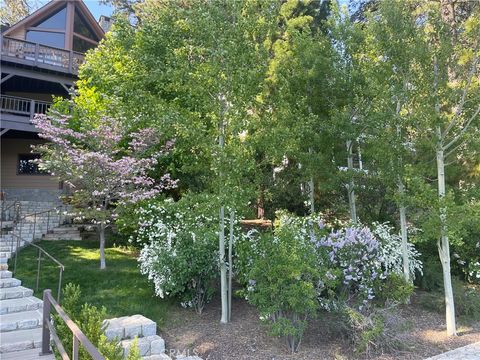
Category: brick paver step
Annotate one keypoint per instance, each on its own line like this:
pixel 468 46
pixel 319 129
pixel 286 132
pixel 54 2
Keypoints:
pixel 20 340
pixel 15 293
pixel 9 282
pixel 22 304
pixel 20 320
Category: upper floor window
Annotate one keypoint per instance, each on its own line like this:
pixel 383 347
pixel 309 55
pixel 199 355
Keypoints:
pixel 56 21
pixel 46 38
pixel 80 27
pixel 26 166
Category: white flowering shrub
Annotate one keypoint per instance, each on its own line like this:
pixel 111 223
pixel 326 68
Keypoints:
pixel 179 254
pixel 391 251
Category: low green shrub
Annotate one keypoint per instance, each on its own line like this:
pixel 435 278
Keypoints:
pixel 393 289
pixel 90 320
pixel 283 275
pixel 375 330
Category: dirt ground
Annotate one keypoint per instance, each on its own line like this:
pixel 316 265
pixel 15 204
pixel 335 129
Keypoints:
pixel 246 338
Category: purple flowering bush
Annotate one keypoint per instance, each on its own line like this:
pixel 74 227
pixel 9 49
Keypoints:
pixel 354 257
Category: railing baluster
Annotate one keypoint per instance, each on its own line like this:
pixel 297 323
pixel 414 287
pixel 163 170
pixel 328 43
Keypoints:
pixel 46 319
pixel 60 275
pixel 32 108
pixel 38 268
pixel 34 225
pixel 75 348
pixel 48 220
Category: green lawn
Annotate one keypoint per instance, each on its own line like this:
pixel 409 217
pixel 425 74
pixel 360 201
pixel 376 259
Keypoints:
pixel 120 288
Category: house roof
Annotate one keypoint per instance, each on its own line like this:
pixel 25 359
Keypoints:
pixel 49 9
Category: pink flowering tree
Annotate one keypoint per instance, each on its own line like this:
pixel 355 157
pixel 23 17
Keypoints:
pixel 105 166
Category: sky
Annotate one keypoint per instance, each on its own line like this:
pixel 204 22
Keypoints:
pixel 94 6
pixel 98 9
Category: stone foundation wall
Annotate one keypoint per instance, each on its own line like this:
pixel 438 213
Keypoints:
pixel 32 195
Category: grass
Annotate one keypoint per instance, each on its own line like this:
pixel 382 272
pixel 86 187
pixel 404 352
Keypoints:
pixel 120 287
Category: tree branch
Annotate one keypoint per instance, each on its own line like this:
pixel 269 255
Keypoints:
pixel 464 130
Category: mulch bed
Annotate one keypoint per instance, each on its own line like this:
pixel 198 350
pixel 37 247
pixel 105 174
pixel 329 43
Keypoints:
pixel 246 338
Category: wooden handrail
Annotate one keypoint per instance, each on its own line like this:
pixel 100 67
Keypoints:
pixel 40 252
pixel 48 331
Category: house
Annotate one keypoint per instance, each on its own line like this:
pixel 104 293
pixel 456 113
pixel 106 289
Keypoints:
pixel 40 56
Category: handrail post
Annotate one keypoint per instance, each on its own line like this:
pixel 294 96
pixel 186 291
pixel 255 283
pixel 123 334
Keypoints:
pixel 75 348
pixel 70 61
pixel 59 284
pixel 16 255
pixel 37 52
pixel 48 219
pixel 34 225
pixel 46 319
pixel 32 109
pixel 38 268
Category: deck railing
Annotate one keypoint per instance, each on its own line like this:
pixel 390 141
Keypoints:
pixel 23 106
pixel 48 332
pixel 38 55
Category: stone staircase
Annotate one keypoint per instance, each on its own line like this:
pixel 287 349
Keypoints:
pixel 64 232
pixel 151 346
pixel 20 317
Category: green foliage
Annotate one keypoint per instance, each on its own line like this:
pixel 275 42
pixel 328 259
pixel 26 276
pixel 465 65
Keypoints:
pixel 282 280
pixel 90 320
pixel 466 297
pixel 394 289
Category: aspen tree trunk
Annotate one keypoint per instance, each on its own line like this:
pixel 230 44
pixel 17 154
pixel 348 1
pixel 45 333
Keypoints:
pixel 101 231
pixel 351 185
pixel 223 267
pixel 404 230
pixel 443 243
pixel 221 232
pixel 311 186
pixel 230 266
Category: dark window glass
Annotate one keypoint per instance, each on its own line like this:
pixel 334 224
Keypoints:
pixel 80 27
pixel 81 45
pixel 26 165
pixel 56 21
pixel 47 38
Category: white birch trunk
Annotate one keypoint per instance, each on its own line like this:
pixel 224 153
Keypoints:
pixel 311 185
pixel 223 267
pixel 221 232
pixel 404 231
pixel 351 185
pixel 443 243
pixel 101 230
pixel 230 266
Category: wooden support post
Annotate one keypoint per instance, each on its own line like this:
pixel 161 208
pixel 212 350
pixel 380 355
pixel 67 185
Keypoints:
pixel 46 319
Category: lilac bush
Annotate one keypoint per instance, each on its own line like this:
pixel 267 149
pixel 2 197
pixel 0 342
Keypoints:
pixel 354 255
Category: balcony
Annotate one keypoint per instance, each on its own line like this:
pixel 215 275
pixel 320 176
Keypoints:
pixel 16 112
pixel 46 57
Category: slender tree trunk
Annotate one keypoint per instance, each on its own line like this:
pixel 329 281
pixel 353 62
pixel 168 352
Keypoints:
pixel 221 232
pixel 404 230
pixel 443 242
pixel 223 267
pixel 101 231
pixel 230 266
pixel 311 187
pixel 351 185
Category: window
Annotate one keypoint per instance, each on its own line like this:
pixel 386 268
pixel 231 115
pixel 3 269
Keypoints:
pixel 81 45
pixel 27 167
pixel 56 21
pixel 80 27
pixel 47 38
